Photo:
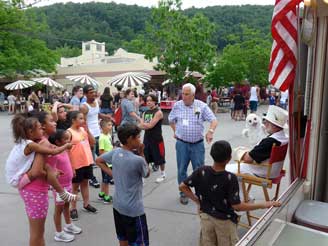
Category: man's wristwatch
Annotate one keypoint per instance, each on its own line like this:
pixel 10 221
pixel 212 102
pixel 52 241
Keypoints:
pixel 211 130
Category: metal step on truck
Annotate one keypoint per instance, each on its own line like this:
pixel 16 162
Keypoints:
pixel 303 217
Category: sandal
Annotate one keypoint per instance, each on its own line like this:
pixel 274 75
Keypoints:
pixel 67 196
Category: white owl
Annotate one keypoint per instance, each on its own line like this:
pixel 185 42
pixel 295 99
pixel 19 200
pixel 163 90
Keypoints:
pixel 255 130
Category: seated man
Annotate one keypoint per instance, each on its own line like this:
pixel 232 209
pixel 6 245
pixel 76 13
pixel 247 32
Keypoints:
pixel 275 121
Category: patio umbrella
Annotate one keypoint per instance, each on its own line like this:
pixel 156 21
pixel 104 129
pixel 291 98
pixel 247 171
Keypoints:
pixel 84 79
pixel 19 85
pixel 130 79
pixel 48 82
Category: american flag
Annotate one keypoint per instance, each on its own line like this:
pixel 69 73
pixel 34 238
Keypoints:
pixel 282 68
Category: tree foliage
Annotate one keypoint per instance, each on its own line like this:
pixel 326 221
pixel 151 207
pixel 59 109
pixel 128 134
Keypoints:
pixel 20 50
pixel 120 25
pixel 234 31
pixel 67 51
pixel 71 23
pixel 246 58
pixel 178 43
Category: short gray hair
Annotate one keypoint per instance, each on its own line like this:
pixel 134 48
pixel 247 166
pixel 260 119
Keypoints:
pixel 191 87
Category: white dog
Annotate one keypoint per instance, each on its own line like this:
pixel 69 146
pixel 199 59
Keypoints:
pixel 255 130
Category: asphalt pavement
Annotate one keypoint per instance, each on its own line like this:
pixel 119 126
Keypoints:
pixel 169 222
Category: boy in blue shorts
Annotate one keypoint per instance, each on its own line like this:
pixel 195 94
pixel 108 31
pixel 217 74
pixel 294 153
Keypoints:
pixel 128 171
pixel 105 145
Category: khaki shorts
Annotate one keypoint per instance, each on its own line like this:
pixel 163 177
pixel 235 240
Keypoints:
pixel 214 107
pixel 216 232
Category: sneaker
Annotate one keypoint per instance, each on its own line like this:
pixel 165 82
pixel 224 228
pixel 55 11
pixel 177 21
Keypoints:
pixel 63 237
pixel 107 199
pixel 160 179
pixel 73 229
pixel 101 196
pixel 94 182
pixel 90 209
pixel 184 200
pixel 74 215
pixel 155 167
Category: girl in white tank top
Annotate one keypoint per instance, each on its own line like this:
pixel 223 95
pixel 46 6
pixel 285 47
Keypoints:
pixel 253 96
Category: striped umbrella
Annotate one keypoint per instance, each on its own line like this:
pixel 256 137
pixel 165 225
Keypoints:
pixel 130 79
pixel 84 79
pixel 48 82
pixel 19 85
pixel 166 82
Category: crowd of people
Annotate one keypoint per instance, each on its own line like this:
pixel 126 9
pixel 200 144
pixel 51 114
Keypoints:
pixel 59 149
pixel 244 97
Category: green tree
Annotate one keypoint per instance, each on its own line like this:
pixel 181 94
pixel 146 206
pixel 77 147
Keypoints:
pixel 247 57
pixel 67 51
pixel 177 42
pixel 20 49
pixel 229 67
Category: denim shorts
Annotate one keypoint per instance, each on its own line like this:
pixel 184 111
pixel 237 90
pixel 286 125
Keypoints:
pixel 106 111
pixel 105 177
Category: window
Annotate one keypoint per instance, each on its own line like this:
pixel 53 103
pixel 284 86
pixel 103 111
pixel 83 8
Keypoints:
pixel 99 47
pixel 87 47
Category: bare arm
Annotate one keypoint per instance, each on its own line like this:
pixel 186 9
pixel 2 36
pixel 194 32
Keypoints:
pixel 35 147
pixel 134 115
pixel 54 111
pixel 243 206
pixel 141 153
pixel 84 110
pixel 172 125
pixel 210 133
pixel 247 158
pixel 102 164
pixel 158 116
pixel 188 192
pixel 105 116
pixel 70 107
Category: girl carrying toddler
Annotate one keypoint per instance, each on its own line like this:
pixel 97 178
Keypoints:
pixel 27 170
pixel 26 161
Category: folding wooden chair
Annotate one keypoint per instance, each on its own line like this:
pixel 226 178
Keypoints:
pixel 277 157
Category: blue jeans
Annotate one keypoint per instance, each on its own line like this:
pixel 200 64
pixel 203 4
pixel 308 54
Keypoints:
pixel 186 152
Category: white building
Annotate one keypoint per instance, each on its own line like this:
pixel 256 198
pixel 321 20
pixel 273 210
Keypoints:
pixel 96 63
pixel 92 53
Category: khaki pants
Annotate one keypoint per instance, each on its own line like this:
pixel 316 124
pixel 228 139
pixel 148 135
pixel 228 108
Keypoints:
pixel 216 232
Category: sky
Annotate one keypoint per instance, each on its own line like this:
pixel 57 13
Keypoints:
pixel 150 3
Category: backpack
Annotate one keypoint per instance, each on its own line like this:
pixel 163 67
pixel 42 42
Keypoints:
pixel 118 116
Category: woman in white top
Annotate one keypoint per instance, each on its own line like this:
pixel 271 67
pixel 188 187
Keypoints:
pixel 11 101
pixel 254 98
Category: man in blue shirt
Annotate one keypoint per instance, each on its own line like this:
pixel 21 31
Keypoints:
pixel 187 121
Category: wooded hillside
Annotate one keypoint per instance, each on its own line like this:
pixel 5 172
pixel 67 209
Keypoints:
pixel 118 24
